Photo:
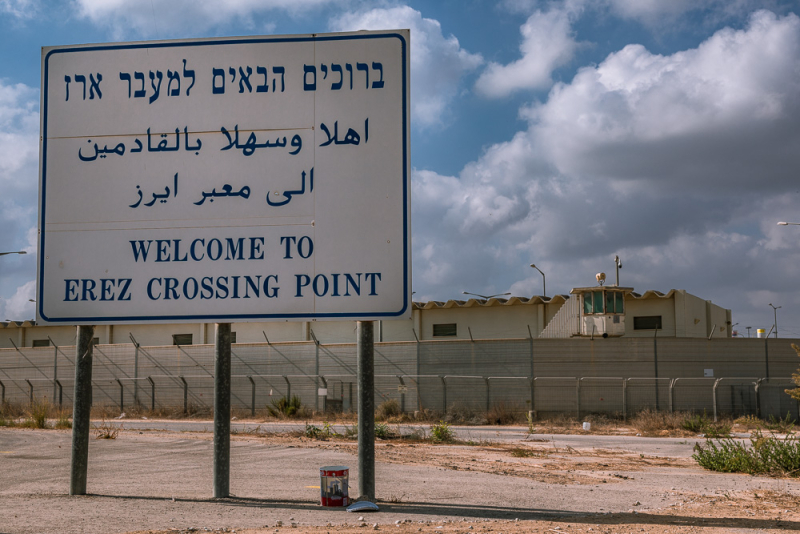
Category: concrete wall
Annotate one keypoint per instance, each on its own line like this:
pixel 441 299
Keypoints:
pixel 649 307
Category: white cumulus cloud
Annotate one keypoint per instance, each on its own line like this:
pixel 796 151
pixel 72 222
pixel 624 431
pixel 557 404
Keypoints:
pixel 438 63
pixel 547 43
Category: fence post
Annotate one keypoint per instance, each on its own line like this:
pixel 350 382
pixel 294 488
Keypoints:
pixel 2 392
pixel 714 390
pixel 488 394
pixel 55 370
pixel 60 394
pixel 419 389
pixel 288 388
pixel 530 342
pixel 316 369
pixel 578 395
pixel 672 395
pixel 152 394
pixel 136 374
pixel 758 398
pixel 252 396
pixel 766 356
pixel 655 364
pixel 185 395
pixel 30 388
pixel 444 394
pixel 625 399
pixel 533 396
pixel 402 394
pixel 121 395
pixel 324 397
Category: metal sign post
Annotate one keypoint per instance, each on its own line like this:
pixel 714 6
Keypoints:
pixel 81 411
pixel 366 409
pixel 222 411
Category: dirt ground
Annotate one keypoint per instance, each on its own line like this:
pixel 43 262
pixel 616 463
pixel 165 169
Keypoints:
pixel 650 486
pixel 538 459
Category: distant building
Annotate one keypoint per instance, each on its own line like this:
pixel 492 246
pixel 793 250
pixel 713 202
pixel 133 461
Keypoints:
pixel 598 311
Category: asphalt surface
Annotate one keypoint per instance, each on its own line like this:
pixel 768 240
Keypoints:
pixel 673 447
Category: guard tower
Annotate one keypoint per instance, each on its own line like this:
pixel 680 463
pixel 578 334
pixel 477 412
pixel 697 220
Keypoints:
pixel 602 309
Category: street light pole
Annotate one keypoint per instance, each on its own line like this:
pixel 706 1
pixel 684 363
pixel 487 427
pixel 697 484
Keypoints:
pixel 14 252
pixel 775 311
pixel 544 285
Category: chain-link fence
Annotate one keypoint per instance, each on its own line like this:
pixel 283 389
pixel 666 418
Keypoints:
pixel 614 377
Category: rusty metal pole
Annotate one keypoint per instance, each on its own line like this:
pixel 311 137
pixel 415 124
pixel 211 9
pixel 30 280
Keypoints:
pixel 222 411
pixel 366 410
pixel 81 411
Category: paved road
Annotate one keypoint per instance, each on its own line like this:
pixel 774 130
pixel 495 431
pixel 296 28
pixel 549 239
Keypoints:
pixel 673 447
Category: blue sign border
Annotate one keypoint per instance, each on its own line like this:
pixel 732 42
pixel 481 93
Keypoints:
pixel 225 318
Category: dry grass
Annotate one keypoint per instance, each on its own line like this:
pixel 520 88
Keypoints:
pixel 652 423
pixel 506 414
pixel 106 431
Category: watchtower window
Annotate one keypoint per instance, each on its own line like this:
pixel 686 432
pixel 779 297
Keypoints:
pixel 597 302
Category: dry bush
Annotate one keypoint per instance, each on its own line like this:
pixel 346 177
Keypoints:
pixel 387 409
pixel 649 422
pixel 461 414
pixel 36 413
pixel 555 423
pixel 503 413
pixel 106 431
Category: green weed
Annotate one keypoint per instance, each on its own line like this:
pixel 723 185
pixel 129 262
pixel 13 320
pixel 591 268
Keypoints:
pixel 285 407
pixel 765 455
pixel 781 425
pixel 442 433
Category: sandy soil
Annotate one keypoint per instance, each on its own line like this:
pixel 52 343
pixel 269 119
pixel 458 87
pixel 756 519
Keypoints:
pixel 540 460
pixel 645 492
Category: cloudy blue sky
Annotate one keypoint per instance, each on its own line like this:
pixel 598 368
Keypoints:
pixel 559 133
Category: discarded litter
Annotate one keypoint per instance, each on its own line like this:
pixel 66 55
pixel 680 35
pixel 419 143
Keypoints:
pixel 333 485
pixel 363 506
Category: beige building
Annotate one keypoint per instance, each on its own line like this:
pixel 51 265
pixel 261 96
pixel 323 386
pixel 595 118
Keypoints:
pixel 587 312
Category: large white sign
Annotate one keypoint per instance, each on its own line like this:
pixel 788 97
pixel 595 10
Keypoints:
pixel 226 180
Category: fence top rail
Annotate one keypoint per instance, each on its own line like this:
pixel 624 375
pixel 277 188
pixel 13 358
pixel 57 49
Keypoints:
pixel 508 378
pixel 646 378
pixel 601 378
pixel 556 378
pixel 464 376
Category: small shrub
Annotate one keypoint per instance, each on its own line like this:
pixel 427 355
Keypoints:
pixel 503 414
pixel 523 453
pixel 382 431
pixel 529 419
pixel 748 421
pixel 315 432
pixel 285 407
pixel 387 409
pixel 62 420
pixel 717 430
pixel 106 431
pixel 351 431
pixel 781 425
pixel 36 414
pixel 651 422
pixel 765 455
pixel 442 433
pixel 696 423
